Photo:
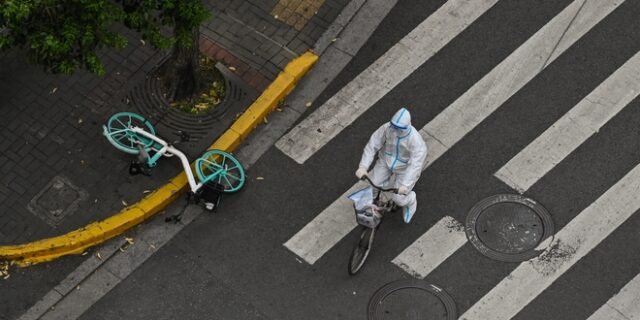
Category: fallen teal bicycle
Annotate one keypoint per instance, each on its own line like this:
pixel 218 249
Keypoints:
pixel 218 171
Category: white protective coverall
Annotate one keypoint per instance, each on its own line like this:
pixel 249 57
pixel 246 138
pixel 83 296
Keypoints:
pixel 401 151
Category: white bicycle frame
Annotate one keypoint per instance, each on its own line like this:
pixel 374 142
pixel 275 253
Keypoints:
pixel 167 150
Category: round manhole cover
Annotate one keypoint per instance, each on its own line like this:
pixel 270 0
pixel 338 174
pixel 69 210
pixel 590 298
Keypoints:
pixel 411 299
pixel 508 227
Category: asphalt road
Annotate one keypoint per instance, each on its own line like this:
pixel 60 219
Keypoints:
pixel 233 265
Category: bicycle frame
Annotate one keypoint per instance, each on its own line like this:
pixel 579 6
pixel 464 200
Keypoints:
pixel 167 150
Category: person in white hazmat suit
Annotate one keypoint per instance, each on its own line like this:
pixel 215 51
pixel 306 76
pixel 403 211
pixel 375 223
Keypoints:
pixel 401 151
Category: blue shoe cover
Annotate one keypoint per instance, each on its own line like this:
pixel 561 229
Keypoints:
pixel 407 215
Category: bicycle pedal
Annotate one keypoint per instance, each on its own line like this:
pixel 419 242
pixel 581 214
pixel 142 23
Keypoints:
pixel 210 206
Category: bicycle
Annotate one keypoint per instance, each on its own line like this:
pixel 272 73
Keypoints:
pixel 218 171
pixel 369 217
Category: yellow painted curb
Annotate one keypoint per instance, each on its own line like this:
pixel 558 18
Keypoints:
pixel 77 241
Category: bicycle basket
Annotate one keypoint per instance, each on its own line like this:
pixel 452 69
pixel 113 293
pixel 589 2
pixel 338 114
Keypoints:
pixel 367 213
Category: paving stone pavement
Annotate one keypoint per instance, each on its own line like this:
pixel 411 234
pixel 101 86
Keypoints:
pixel 58 173
pixel 50 129
pixel 250 32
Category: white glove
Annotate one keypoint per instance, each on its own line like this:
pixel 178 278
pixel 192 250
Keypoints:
pixel 361 172
pixel 403 190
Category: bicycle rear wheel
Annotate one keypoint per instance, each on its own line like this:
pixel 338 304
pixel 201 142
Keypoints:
pixel 361 250
pixel 118 132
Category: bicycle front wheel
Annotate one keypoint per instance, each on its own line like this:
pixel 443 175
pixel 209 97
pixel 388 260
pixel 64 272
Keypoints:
pixel 361 250
pixel 118 132
pixel 222 168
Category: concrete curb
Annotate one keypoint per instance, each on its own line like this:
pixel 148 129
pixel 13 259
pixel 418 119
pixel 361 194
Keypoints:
pixel 77 241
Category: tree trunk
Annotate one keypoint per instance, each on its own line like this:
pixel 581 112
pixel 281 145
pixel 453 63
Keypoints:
pixel 181 72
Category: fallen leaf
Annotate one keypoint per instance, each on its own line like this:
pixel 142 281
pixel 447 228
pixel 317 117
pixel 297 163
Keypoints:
pixel 308 104
pixel 279 109
pixel 232 68
pixel 142 41
pixel 98 255
pixel 334 39
pixel 4 269
pixel 265 120
pixel 259 178
pixel 152 246
pixel 7 276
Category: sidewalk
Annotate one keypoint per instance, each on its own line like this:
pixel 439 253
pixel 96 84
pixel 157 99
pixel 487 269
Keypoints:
pixel 58 173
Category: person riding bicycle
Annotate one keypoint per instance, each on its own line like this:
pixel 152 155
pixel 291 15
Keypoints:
pixel 403 152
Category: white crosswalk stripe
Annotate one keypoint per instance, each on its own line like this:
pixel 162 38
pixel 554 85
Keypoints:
pixel 464 114
pixel 575 127
pixel 625 305
pixel 381 77
pixel 432 248
pixel 481 100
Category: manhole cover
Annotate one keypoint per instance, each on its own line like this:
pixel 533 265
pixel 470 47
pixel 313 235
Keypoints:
pixel 411 299
pixel 57 200
pixel 508 227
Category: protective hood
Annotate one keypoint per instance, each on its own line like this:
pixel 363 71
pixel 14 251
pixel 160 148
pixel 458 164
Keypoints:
pixel 402 119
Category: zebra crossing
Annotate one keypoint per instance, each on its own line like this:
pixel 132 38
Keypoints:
pixel 463 115
pixel 584 232
pixel 381 77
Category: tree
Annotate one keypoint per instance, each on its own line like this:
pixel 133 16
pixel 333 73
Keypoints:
pixel 180 73
pixel 61 35
pixel 64 35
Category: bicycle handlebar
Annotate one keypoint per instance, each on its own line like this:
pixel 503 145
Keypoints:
pixel 365 177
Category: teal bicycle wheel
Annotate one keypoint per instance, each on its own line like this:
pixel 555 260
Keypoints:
pixel 222 168
pixel 118 132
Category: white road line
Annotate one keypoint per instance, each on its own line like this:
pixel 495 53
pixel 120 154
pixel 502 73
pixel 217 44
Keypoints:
pixel 326 229
pixel 432 248
pixel 625 305
pixel 575 127
pixel 465 113
pixel 569 245
pixel 381 77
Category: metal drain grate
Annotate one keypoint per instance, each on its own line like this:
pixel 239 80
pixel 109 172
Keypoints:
pixel 57 200
pixel 148 100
